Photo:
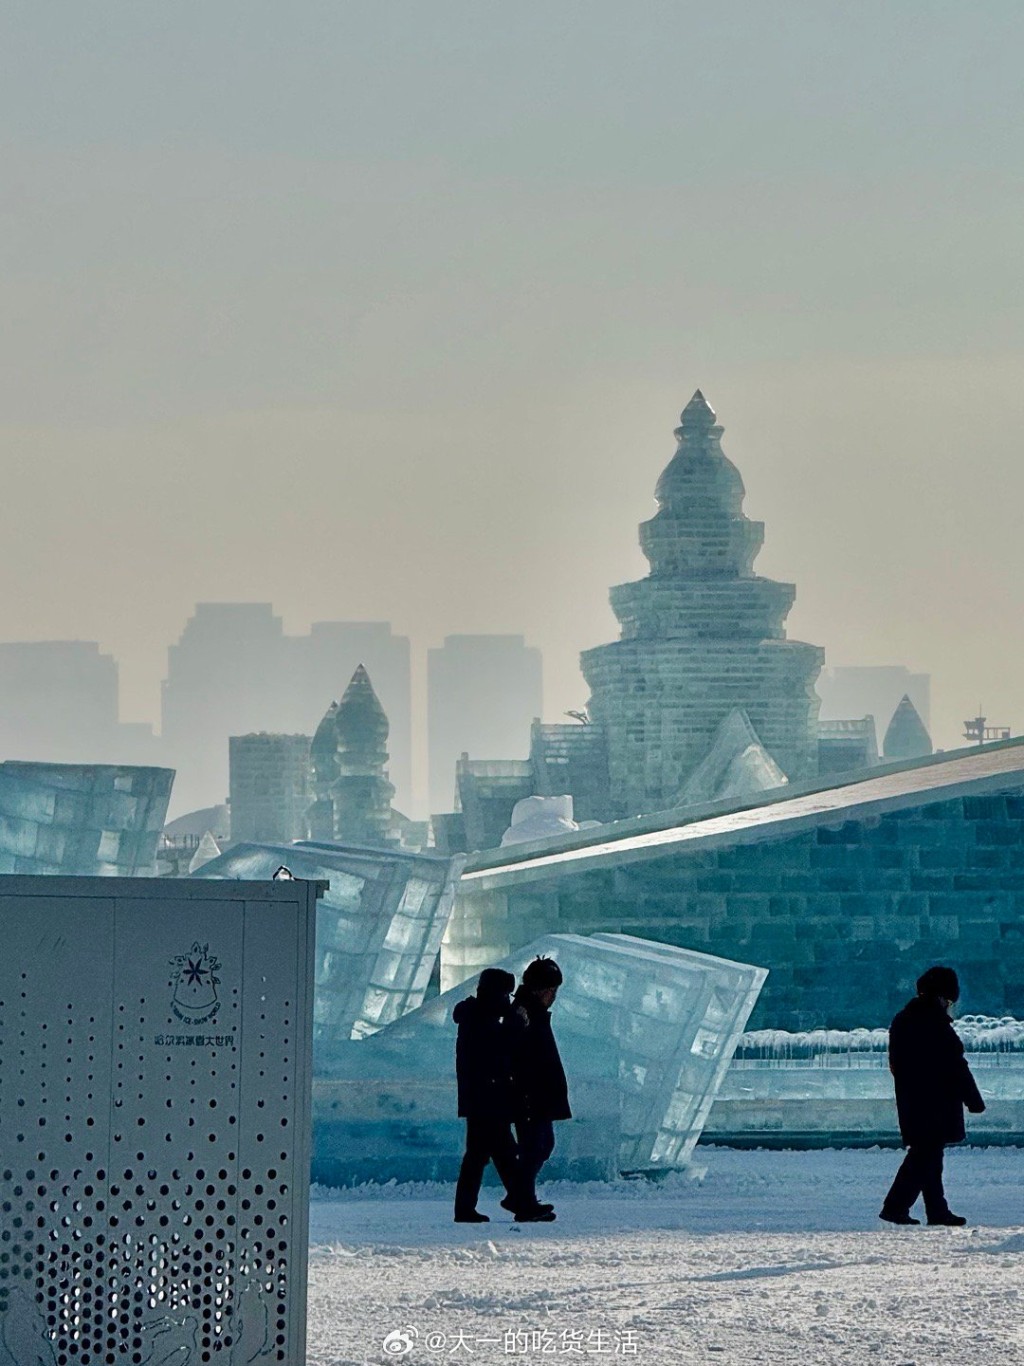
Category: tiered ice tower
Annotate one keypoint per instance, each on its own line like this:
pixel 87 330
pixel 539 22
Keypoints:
pixel 701 635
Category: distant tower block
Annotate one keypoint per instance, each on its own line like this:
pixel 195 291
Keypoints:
pixel 361 792
pixel 906 736
pixel 701 636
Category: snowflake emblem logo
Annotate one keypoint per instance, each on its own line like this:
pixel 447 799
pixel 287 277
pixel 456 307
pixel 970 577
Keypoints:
pixel 194 982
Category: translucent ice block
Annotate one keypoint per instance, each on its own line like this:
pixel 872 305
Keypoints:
pixel 646 1032
pixel 81 819
pixel 379 927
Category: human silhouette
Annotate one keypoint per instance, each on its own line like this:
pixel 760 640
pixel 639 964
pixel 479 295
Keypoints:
pixel 483 1066
pixel 541 1090
pixel 933 1084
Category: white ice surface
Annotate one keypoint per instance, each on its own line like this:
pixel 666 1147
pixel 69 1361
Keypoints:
pixel 774 1257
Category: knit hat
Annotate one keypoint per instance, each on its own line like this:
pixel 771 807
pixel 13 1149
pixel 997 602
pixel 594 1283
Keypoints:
pixel 939 981
pixel 495 982
pixel 542 973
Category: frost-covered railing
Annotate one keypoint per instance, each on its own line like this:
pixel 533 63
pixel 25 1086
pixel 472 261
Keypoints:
pixel 855 1047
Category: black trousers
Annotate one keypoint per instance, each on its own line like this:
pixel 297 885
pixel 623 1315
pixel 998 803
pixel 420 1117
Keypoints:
pixel 536 1144
pixel 920 1174
pixel 489 1140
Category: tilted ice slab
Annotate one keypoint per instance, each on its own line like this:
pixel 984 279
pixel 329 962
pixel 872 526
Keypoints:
pixel 646 1032
pixel 378 930
pixel 736 765
pixel 90 820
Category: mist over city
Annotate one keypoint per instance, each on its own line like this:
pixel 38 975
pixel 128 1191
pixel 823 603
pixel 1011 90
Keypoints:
pixel 510 706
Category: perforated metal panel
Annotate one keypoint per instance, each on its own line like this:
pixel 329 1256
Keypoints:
pixel 154 1121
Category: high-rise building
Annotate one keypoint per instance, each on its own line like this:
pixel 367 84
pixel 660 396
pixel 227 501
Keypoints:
pixel 483 692
pixel 270 787
pixel 59 704
pixel 702 635
pixel 234 672
pixel 227 675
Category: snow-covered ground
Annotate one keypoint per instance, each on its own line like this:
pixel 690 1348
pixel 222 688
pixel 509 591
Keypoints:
pixel 769 1257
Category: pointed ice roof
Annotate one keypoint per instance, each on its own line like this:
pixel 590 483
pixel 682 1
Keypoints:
pixel 906 736
pixel 736 765
pixel 698 413
pixel 360 718
pixel 206 851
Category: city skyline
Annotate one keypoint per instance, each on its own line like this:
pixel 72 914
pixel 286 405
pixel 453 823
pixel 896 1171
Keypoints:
pixel 418 358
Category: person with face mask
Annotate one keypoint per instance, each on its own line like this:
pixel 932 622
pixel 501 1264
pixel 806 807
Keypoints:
pixel 933 1084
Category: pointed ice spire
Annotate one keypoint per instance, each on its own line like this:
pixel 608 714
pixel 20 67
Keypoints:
pixel 698 415
pixel 206 851
pixel 906 736
pixel 362 726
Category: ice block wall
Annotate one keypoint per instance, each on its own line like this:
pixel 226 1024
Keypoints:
pixel 81 819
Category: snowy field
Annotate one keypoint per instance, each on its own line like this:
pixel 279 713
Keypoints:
pixel 769 1257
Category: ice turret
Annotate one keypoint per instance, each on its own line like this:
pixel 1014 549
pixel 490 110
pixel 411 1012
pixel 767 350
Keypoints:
pixel 361 792
pixel 323 755
pixel 906 736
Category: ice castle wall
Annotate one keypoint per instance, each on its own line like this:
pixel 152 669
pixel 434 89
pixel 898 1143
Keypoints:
pixel 826 1088
pixel 845 893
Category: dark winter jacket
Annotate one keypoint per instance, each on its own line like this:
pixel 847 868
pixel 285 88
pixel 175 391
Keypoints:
pixel 933 1080
pixel 542 1091
pixel 483 1059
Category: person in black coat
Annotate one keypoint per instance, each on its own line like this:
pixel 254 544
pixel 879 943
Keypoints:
pixel 483 1068
pixel 542 1092
pixel 933 1084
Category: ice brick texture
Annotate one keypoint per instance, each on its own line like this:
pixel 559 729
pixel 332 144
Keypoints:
pixel 646 1032
pixel 100 820
pixel 846 891
pixel 378 933
pixel 701 635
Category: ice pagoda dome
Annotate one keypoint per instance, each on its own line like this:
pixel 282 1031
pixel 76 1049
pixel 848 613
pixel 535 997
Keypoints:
pixel 699 530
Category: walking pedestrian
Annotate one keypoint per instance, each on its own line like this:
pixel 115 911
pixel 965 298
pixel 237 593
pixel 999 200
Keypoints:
pixel 542 1092
pixel 483 1068
pixel 933 1084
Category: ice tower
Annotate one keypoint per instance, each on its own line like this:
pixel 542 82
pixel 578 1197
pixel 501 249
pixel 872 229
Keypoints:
pixel 906 736
pixel 700 636
pixel 348 755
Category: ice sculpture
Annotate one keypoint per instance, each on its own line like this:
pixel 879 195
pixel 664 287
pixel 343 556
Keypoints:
pixel 206 851
pixel 378 931
pixel 736 765
pixel 81 819
pixel 535 818
pixel 822 1087
pixel 646 1031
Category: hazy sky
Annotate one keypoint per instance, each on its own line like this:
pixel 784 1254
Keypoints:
pixel 387 310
